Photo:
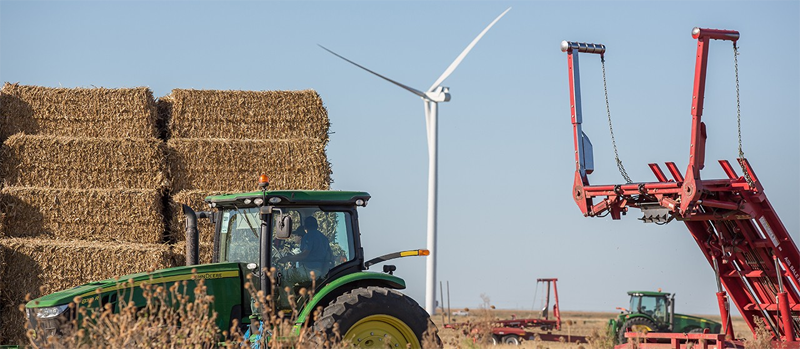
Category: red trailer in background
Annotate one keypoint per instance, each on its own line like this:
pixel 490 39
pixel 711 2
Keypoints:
pixel 756 262
pixel 514 330
pixel 543 323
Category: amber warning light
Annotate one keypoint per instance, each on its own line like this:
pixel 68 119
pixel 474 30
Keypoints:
pixel 263 182
pixel 415 253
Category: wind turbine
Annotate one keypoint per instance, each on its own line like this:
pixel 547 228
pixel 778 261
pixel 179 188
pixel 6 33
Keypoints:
pixel 431 98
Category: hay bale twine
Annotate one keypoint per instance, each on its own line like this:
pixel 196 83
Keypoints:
pixel 123 215
pixel 247 114
pixel 234 165
pixel 77 112
pixel 74 162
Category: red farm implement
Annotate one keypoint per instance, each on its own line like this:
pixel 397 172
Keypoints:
pixel 515 330
pixel 511 331
pixel 756 262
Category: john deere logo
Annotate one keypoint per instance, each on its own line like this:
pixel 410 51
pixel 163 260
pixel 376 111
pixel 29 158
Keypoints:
pixel 210 276
pixel 88 300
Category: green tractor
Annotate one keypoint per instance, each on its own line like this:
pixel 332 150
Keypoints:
pixel 655 312
pixel 258 232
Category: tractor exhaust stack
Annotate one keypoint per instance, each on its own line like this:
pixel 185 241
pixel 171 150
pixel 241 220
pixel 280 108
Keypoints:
pixel 192 235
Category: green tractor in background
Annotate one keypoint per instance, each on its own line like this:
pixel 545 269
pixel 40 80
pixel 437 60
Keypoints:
pixel 655 312
pixel 256 232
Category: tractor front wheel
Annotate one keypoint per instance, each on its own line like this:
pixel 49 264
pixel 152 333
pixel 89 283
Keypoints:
pixel 376 317
pixel 637 325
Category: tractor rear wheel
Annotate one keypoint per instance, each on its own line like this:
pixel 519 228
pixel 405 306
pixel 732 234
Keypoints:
pixel 376 317
pixel 638 325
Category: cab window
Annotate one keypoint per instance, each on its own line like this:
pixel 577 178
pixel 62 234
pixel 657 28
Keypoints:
pixel 328 237
pixel 320 241
pixel 239 235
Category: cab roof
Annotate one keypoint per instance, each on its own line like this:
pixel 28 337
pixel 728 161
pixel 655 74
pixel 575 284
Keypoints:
pixel 647 293
pixel 322 197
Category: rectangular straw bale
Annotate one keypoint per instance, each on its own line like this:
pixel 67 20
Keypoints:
pixel 234 165
pixel 77 112
pixel 12 324
pixel 247 114
pixel 206 251
pixel 72 162
pixel 44 266
pixel 196 200
pixel 124 215
pixel 2 273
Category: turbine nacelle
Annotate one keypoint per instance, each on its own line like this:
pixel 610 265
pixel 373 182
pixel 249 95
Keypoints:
pixel 439 94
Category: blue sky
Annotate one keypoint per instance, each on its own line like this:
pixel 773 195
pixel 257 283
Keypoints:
pixel 506 216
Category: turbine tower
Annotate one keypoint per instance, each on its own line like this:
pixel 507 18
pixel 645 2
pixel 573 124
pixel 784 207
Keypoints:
pixel 431 98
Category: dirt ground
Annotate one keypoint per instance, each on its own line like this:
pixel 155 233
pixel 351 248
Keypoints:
pixel 572 323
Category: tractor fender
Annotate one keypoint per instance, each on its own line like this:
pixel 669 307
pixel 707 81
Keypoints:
pixel 343 284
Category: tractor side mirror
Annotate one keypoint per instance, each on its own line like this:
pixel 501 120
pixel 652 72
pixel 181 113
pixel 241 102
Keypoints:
pixel 284 226
pixel 283 221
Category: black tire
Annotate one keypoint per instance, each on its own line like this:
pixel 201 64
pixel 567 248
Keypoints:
pixel 494 340
pixel 367 316
pixel 511 339
pixel 635 324
pixel 696 330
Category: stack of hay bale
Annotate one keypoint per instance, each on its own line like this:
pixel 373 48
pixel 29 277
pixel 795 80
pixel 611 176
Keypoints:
pixel 92 178
pixel 220 141
pixel 83 197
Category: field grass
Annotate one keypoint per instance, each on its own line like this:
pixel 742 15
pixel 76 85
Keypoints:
pixel 162 324
pixel 576 323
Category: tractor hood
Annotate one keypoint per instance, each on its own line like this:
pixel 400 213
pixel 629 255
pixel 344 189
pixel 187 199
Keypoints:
pixel 689 321
pixel 88 292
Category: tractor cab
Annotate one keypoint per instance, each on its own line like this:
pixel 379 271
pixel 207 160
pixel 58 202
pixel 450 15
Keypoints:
pixel 329 232
pixel 656 305
pixel 305 237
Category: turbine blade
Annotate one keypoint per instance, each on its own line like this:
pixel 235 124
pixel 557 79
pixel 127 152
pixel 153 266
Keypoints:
pixel 409 89
pixel 464 53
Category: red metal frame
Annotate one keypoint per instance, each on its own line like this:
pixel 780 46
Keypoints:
pixel 545 337
pixel 731 219
pixel 683 340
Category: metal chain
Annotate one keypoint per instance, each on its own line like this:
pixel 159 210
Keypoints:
pixel 610 128
pixel 739 115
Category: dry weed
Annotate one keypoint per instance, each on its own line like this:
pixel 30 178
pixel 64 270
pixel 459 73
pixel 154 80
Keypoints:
pixel 173 316
pixel 762 338
pixel 600 339
pixel 181 315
